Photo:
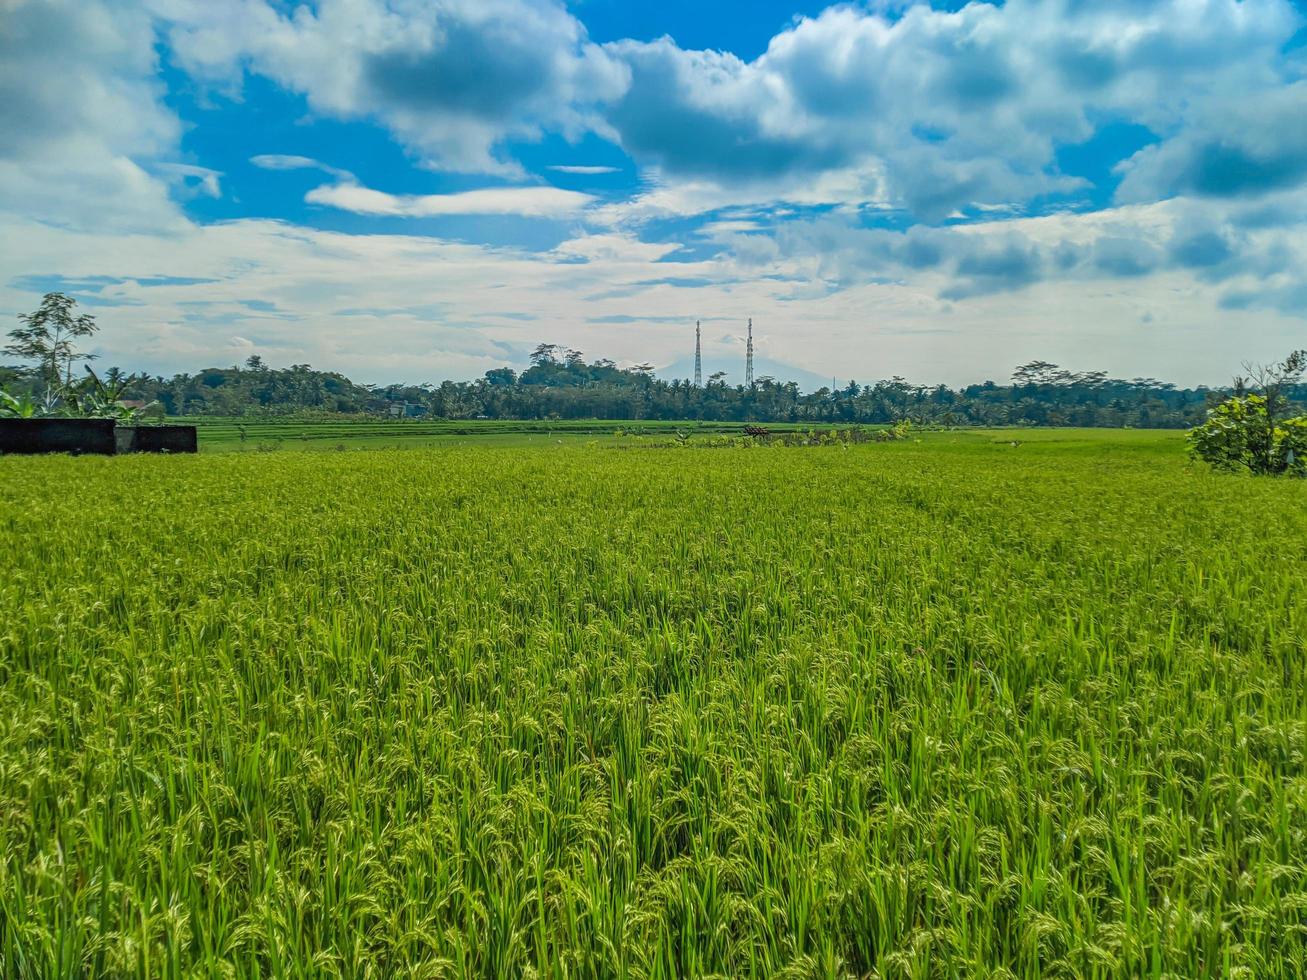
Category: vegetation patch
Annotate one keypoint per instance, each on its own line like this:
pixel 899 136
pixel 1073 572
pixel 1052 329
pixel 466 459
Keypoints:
pixel 1253 432
pixel 758 435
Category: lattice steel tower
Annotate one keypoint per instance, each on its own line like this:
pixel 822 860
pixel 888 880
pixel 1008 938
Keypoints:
pixel 748 358
pixel 698 358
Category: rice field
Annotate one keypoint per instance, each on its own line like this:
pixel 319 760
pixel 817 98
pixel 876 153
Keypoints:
pixel 217 434
pixel 974 705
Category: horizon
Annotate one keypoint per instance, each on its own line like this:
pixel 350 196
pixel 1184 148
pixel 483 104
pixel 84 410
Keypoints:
pixel 764 370
pixel 422 191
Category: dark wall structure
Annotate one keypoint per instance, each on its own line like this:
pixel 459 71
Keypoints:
pixel 125 438
pixel 91 436
pixel 101 437
pixel 157 439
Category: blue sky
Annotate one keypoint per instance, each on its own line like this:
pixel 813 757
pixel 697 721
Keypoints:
pixel 420 189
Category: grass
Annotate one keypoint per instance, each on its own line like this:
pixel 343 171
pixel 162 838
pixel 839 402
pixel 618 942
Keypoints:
pixel 224 434
pixel 940 708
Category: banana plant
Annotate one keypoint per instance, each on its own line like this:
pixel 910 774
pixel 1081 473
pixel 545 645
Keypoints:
pixel 96 399
pixel 20 407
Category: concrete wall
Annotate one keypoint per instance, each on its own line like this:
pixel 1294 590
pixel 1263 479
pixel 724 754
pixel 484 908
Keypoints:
pixel 165 439
pixel 99 436
pixel 58 436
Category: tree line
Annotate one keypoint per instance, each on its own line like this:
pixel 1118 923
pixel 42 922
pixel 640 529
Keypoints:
pixel 560 383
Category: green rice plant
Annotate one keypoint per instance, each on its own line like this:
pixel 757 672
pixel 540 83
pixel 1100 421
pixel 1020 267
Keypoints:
pixel 936 707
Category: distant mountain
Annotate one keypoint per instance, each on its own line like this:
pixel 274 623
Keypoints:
pixel 734 368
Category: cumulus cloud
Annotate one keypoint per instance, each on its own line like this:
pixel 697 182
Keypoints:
pixel 451 79
pixel 400 307
pixel 1234 148
pixel 930 111
pixel 1007 263
pixel 382 307
pixel 1200 239
pixel 85 128
pixel 953 109
pixel 791 157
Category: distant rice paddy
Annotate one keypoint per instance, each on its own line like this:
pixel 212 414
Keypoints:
pixel 270 435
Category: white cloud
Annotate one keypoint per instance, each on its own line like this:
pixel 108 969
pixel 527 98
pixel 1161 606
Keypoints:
pixel 845 112
pixel 826 296
pixel 663 197
pixel 1218 243
pixel 82 115
pixel 451 79
pixel 925 110
pixel 583 171
pixel 530 202
pixel 1233 147
pixel 951 109
pixel 192 180
pixel 286 161
pixel 380 307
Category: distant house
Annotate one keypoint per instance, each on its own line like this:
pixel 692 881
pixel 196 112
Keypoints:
pixel 136 403
pixel 406 410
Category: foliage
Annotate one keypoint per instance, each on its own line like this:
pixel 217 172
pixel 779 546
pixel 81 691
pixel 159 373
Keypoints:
pixel 1249 432
pixel 22 406
pixel 565 387
pixel 1239 436
pixel 949 707
pixel 560 384
pixel 47 336
pixel 26 405
pixel 104 399
pixel 754 435
pixel 92 398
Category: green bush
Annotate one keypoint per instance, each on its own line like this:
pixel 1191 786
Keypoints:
pixel 1241 436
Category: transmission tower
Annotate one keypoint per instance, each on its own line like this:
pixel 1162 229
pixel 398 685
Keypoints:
pixel 748 358
pixel 698 358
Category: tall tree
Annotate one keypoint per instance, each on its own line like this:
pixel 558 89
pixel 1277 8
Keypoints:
pixel 545 354
pixel 47 336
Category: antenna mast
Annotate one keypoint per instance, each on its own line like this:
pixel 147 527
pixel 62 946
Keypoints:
pixel 698 358
pixel 748 358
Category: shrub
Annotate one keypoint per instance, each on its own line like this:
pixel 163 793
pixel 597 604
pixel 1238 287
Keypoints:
pixel 1241 436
